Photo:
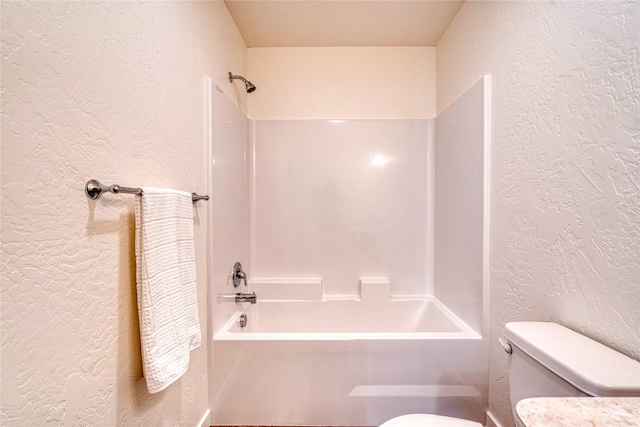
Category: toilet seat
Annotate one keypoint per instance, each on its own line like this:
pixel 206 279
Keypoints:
pixel 428 420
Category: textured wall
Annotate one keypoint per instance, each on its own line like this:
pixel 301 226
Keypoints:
pixel 342 83
pixel 111 90
pixel 565 196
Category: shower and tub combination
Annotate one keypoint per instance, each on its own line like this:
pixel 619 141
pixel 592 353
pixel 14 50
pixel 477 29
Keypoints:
pixel 365 246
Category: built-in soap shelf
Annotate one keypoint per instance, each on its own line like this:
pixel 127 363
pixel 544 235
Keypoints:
pixel 310 289
pixel 375 289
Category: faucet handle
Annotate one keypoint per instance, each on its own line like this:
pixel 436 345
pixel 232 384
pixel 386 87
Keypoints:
pixel 238 275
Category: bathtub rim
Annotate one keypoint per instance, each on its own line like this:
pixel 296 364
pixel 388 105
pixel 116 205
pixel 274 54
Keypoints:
pixel 465 332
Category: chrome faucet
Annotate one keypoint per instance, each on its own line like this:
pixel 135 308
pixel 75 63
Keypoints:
pixel 238 275
pixel 238 297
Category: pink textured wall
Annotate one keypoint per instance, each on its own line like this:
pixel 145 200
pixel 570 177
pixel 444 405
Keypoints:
pixel 565 187
pixel 113 91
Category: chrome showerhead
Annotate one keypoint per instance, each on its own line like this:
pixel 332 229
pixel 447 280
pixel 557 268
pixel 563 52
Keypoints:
pixel 250 87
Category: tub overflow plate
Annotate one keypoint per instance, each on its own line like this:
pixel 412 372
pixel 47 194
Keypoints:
pixel 242 321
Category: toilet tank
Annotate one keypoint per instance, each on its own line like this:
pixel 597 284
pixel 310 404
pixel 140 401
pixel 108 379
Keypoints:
pixel 549 360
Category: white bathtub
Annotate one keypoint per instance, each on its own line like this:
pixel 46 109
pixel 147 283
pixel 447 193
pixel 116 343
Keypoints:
pixel 346 363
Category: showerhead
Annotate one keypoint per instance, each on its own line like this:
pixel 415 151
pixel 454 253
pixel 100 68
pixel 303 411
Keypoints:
pixel 250 87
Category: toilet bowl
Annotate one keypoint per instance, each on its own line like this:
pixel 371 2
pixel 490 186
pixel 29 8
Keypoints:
pixel 428 420
pixel 546 360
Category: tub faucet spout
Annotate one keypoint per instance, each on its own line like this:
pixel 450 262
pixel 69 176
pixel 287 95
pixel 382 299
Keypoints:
pixel 252 298
pixel 238 297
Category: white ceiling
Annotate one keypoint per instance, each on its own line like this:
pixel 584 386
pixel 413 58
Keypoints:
pixel 302 23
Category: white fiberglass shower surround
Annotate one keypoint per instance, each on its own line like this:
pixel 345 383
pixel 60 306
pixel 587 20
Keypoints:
pixel 365 242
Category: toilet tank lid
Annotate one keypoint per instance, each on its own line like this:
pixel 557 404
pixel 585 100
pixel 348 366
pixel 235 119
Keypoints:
pixel 590 366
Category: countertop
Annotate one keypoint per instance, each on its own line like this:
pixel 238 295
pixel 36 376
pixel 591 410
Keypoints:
pixel 579 411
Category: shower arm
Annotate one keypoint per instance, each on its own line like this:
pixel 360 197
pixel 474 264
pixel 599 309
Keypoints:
pixel 231 77
pixel 250 86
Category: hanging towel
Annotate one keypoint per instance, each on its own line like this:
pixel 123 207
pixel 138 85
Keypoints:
pixel 166 284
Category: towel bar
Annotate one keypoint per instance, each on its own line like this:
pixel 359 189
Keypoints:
pixel 94 189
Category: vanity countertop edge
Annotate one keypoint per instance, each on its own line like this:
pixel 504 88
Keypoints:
pixel 579 411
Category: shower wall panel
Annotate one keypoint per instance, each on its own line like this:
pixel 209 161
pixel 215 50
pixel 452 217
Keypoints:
pixel 460 193
pixel 341 200
pixel 228 209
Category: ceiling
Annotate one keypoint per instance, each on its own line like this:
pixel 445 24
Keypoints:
pixel 302 23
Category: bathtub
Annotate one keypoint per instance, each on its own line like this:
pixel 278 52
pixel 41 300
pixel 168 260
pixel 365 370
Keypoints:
pixel 346 363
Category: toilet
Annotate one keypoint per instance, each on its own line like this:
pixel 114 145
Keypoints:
pixel 550 360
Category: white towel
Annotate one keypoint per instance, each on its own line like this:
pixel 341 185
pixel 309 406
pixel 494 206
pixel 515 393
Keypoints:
pixel 166 284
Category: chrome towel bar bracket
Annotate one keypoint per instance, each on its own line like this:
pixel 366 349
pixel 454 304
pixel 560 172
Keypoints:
pixel 94 189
